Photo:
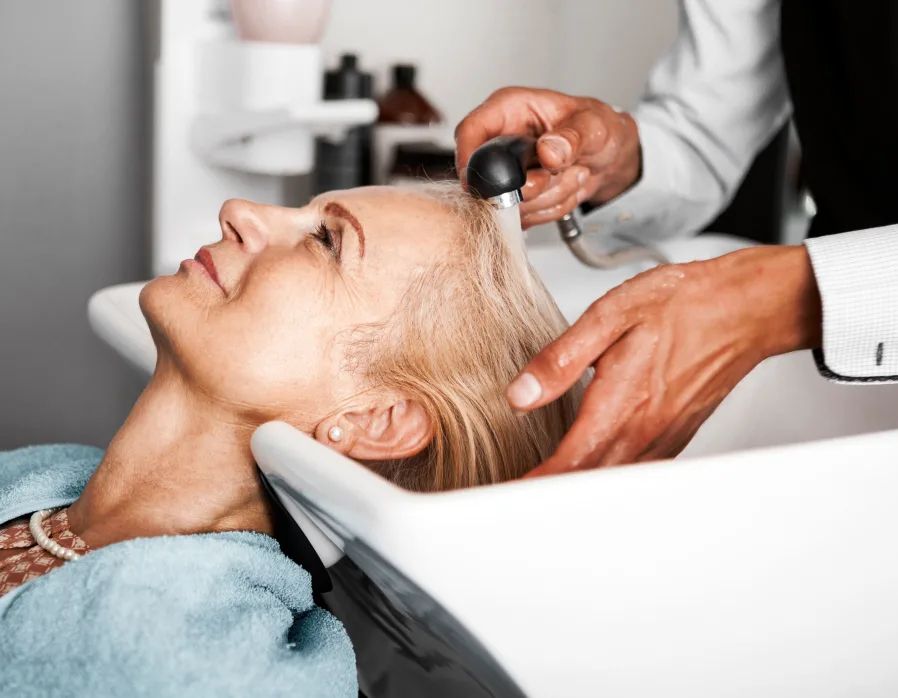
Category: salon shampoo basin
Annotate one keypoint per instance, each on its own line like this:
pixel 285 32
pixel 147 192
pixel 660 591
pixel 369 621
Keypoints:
pixel 760 562
pixel 759 573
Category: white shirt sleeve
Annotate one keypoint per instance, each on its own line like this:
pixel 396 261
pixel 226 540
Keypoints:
pixel 712 103
pixel 857 275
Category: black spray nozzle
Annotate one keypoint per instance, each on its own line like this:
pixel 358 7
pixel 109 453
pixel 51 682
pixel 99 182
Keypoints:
pixel 500 165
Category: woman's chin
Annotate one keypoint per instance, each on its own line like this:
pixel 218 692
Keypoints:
pixel 163 300
pixel 152 295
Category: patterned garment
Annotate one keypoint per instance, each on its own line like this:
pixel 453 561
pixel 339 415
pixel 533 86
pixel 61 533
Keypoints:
pixel 33 561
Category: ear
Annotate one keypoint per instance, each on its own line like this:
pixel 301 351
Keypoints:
pixel 399 429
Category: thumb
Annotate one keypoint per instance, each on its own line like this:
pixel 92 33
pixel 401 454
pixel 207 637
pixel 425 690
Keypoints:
pixel 561 363
pixel 583 134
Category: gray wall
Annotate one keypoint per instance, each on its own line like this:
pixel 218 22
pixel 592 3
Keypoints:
pixel 73 118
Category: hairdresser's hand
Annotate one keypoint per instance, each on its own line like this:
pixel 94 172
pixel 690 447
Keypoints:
pixel 667 346
pixel 588 151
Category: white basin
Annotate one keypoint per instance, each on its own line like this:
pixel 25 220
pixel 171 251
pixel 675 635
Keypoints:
pixel 758 573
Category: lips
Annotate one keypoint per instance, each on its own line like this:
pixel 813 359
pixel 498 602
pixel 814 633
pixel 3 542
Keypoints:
pixel 204 257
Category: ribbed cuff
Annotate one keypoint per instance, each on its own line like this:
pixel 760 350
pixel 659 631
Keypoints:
pixel 857 275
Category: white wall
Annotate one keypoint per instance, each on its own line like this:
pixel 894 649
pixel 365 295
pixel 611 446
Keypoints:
pixel 465 49
pixel 611 45
pixel 73 155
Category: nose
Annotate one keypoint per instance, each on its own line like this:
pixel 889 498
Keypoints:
pixel 244 222
pixel 257 226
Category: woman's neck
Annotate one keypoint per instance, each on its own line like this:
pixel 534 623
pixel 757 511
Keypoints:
pixel 180 464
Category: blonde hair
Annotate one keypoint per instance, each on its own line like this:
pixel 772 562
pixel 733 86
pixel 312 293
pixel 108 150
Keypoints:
pixel 464 329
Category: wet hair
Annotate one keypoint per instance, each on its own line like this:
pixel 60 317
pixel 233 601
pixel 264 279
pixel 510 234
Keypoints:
pixel 464 329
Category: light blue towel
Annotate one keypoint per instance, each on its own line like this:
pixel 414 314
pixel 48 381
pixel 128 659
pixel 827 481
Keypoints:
pixel 219 614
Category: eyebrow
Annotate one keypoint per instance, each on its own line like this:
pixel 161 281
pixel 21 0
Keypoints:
pixel 334 209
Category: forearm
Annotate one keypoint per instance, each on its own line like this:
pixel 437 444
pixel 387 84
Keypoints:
pixel 712 103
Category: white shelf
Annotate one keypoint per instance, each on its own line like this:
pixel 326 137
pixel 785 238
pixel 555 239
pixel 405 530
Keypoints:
pixel 276 141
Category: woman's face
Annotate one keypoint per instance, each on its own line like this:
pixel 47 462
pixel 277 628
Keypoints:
pixel 261 319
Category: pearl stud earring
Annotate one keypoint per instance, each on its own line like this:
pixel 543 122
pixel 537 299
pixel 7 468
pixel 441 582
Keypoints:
pixel 335 434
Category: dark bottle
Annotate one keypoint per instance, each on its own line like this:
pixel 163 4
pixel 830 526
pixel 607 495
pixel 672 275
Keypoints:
pixel 345 163
pixel 403 104
pixel 422 161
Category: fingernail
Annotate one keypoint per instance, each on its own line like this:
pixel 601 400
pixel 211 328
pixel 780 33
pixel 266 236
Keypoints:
pixel 524 390
pixel 558 145
pixel 581 178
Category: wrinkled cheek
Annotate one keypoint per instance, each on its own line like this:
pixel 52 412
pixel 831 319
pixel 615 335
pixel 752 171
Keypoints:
pixel 271 363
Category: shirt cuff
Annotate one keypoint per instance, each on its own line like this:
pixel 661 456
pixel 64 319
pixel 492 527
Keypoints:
pixel 857 275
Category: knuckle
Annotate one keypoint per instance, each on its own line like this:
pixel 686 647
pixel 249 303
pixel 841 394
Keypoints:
pixel 596 310
pixel 577 174
pixel 535 189
pixel 556 359
pixel 556 198
pixel 546 201
pixel 532 219
pixel 537 178
pixel 570 203
pixel 527 209
pixel 594 107
pixel 541 217
pixel 503 93
pixel 556 201
pixel 571 135
pixel 659 282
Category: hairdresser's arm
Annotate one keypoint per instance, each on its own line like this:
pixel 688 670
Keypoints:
pixel 667 346
pixel 713 102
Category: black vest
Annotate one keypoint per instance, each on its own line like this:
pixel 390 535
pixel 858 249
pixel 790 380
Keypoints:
pixel 841 60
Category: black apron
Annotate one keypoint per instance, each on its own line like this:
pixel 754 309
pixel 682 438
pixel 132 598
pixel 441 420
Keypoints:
pixel 841 59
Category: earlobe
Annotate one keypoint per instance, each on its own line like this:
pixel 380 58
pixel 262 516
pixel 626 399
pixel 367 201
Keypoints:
pixel 333 433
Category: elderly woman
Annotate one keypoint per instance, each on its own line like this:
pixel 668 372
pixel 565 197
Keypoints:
pixel 382 322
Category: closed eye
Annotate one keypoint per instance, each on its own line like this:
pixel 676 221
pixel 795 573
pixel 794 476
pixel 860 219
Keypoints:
pixel 331 241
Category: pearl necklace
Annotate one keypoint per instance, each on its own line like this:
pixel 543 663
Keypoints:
pixel 43 540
